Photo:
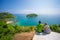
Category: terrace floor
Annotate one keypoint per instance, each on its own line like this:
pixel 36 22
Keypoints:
pixel 51 36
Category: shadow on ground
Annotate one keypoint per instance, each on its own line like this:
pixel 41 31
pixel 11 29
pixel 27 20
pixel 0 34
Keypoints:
pixel 41 33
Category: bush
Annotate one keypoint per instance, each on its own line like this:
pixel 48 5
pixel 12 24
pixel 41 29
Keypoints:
pixel 24 28
pixel 2 23
pixel 6 37
pixel 18 28
pixel 29 28
pixel 55 28
pixel 8 30
pixel 11 28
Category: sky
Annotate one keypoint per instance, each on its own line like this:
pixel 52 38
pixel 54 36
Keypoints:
pixel 45 7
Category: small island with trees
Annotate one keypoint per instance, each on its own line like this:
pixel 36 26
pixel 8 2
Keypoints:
pixel 31 15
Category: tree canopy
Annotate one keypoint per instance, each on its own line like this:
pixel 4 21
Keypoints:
pixel 31 15
pixel 6 15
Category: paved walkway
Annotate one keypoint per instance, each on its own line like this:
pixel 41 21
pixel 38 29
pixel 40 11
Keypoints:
pixel 43 36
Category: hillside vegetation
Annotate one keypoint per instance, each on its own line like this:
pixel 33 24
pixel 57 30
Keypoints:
pixel 8 30
pixel 55 28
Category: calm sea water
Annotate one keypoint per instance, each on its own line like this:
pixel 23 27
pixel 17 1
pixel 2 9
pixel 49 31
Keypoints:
pixel 24 21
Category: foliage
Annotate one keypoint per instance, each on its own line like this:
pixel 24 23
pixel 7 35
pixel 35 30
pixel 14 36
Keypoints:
pixel 2 23
pixel 6 37
pixel 29 28
pixel 18 28
pixel 6 16
pixel 59 25
pixel 11 28
pixel 24 28
pixel 55 28
pixel 31 15
pixel 7 31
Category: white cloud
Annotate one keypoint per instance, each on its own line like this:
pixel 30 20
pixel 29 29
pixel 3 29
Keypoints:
pixel 49 11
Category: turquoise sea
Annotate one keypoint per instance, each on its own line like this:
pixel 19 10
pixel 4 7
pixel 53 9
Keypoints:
pixel 24 21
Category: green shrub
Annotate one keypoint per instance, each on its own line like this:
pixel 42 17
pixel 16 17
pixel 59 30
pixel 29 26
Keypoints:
pixel 2 23
pixel 1 29
pixel 6 37
pixel 55 28
pixel 29 28
pixel 11 28
pixel 18 28
pixel 8 30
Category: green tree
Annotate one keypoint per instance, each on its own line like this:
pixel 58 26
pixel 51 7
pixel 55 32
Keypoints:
pixel 31 15
pixel 6 16
pixel 2 23
pixel 6 30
